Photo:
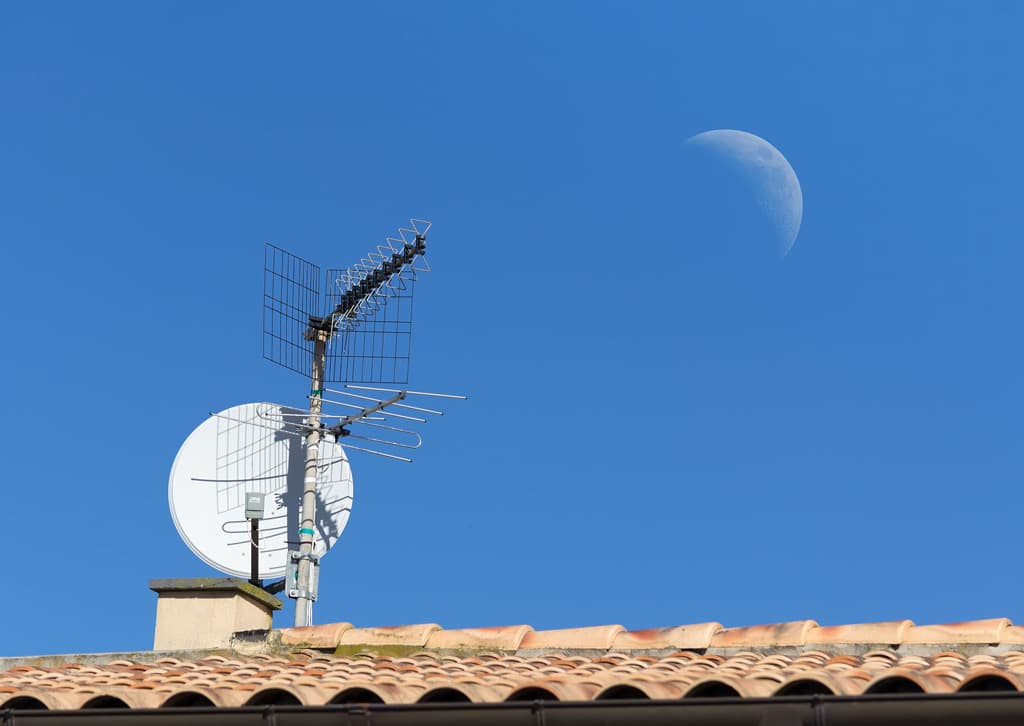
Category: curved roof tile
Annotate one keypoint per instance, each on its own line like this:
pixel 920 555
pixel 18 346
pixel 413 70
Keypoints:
pixel 777 634
pixel 598 637
pixel 501 638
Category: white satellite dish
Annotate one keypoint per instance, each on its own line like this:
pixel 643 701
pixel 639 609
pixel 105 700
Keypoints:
pixel 250 448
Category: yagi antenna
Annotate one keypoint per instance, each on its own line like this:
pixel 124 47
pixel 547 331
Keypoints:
pixel 376 414
pixel 358 331
pixel 368 323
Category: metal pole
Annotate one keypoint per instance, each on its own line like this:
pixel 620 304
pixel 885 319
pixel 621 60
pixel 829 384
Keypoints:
pixel 254 551
pixel 307 518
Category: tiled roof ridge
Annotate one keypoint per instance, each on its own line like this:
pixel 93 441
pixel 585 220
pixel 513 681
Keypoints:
pixel 339 663
pixel 347 639
pixel 314 678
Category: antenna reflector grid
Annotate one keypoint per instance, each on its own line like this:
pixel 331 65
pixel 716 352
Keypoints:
pixel 373 344
pixel 291 294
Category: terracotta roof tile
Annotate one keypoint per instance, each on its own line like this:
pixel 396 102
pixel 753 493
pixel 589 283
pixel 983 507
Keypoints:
pixel 778 634
pixel 891 633
pixel 360 692
pixel 984 678
pixel 501 638
pixel 974 631
pixel 1012 635
pixel 318 636
pixel 404 635
pixel 599 637
pixel 558 690
pixel 696 637
pixel 715 685
pixel 901 680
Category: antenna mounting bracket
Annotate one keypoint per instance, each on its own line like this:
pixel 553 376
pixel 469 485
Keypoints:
pixel 292 575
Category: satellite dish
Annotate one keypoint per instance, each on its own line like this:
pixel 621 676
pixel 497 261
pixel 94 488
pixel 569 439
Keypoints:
pixel 254 447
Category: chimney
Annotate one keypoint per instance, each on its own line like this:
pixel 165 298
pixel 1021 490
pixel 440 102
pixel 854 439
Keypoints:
pixel 202 613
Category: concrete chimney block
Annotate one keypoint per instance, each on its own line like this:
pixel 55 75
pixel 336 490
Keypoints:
pixel 201 613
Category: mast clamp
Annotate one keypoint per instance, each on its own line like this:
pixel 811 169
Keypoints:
pixel 292 575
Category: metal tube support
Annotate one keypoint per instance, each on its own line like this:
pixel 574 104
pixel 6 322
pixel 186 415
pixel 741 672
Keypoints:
pixel 307 518
pixel 254 551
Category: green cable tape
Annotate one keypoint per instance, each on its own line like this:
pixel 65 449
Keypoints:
pixel 306 530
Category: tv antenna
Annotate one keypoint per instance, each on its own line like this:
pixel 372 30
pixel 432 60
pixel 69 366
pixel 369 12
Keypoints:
pixel 287 466
pixel 365 337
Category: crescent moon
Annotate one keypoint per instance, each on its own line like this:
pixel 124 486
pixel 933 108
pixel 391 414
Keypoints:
pixel 776 185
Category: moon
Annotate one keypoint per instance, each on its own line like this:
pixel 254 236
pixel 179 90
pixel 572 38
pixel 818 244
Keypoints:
pixel 774 182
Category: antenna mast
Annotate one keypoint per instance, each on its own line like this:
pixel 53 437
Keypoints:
pixel 306 558
pixel 370 322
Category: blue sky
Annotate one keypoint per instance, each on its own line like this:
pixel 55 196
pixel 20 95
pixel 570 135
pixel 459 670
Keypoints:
pixel 657 433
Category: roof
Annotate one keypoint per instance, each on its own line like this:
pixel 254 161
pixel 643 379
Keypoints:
pixel 339 663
